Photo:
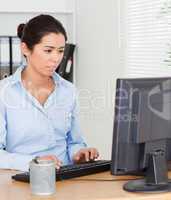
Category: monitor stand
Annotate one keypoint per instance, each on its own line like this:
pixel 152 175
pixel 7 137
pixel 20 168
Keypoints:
pixel 156 179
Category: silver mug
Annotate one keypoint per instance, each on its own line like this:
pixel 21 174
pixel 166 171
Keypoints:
pixel 42 177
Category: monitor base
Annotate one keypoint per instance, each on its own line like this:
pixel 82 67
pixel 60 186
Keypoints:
pixel 141 186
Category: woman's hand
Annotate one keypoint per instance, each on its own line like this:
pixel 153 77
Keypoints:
pixel 58 163
pixel 85 155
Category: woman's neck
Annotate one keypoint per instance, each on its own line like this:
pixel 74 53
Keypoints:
pixel 29 76
pixel 38 86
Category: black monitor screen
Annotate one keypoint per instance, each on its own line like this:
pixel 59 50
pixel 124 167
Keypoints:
pixel 142 127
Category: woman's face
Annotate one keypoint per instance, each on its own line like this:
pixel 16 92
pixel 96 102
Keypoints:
pixel 46 55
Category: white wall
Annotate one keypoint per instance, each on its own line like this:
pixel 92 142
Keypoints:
pixel 98 65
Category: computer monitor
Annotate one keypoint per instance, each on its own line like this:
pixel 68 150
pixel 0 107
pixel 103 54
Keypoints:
pixel 142 132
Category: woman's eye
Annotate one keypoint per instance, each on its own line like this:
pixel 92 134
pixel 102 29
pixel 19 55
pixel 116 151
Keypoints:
pixel 48 51
pixel 61 51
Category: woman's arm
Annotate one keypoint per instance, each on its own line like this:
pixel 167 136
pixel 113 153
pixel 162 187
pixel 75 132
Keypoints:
pixel 10 160
pixel 14 160
pixel 75 140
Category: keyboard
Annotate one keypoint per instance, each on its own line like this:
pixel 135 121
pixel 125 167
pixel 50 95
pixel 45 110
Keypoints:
pixel 72 171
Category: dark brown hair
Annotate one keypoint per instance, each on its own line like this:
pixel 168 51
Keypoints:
pixel 32 32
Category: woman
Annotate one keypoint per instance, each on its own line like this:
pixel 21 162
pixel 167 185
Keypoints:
pixel 38 108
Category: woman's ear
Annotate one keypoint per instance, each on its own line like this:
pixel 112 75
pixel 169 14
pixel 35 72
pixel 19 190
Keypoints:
pixel 24 49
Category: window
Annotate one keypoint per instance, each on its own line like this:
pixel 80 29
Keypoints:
pixel 147 37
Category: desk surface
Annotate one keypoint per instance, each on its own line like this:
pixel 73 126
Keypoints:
pixel 101 186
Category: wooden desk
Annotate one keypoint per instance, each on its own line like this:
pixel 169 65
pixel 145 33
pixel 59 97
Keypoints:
pixel 101 186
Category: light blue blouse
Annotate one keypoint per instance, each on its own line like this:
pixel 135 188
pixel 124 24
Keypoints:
pixel 28 129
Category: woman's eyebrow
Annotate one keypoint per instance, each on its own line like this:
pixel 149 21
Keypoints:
pixel 52 47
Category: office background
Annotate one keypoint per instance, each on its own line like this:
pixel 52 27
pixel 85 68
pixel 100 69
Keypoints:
pixel 97 27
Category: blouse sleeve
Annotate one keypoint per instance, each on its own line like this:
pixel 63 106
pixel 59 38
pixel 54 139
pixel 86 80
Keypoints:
pixel 75 140
pixel 10 160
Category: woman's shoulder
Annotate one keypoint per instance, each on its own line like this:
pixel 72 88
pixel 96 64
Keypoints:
pixel 4 87
pixel 5 82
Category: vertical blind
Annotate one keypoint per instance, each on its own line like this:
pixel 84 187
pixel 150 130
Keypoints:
pixel 148 38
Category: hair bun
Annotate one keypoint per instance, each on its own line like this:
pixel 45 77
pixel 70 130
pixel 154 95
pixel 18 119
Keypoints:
pixel 20 30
